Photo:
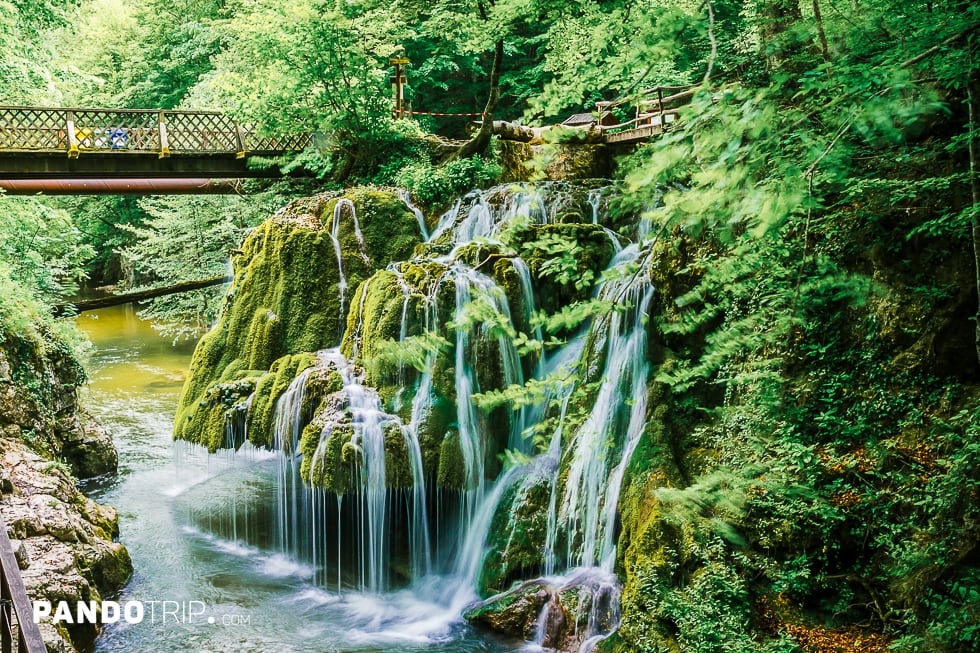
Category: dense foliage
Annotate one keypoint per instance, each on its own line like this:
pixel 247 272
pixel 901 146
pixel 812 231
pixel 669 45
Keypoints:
pixel 819 355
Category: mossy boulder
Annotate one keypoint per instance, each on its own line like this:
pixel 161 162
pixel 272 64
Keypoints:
pixel 286 299
pixel 516 541
pixel 563 162
pixel 511 613
pixel 331 444
pixel 555 286
pixel 561 612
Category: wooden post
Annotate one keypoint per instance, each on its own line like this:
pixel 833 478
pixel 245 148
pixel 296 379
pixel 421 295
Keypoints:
pixel 6 620
pixel 164 141
pixel 660 103
pixel 14 596
pixel 398 84
pixel 241 141
pixel 72 136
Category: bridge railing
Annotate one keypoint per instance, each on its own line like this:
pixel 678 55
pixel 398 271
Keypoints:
pixel 654 107
pixel 16 615
pixel 143 131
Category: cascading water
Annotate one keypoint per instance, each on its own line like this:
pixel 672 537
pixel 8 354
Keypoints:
pixel 583 467
pixel 372 502
pixel 293 503
pixel 338 213
pixel 406 197
pixel 591 491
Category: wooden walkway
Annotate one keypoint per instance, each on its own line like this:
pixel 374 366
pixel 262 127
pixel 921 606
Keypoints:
pixel 182 150
pixel 656 108
pixel 53 143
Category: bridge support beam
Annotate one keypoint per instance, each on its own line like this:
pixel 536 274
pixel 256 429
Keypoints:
pixel 165 186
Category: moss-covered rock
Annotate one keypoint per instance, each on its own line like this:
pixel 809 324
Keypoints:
pixel 512 613
pixel 564 162
pixel 516 542
pixel 590 247
pixel 561 613
pixel 286 299
pixel 331 442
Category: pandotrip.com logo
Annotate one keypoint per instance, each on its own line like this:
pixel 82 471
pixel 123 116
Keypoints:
pixel 134 612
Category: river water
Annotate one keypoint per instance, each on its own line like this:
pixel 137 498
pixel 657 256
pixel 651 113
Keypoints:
pixel 199 529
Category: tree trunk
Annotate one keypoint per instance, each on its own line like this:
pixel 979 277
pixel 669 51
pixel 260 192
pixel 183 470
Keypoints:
pixel 479 143
pixel 973 102
pixel 777 16
pixel 821 34
pixel 140 295
pixel 508 131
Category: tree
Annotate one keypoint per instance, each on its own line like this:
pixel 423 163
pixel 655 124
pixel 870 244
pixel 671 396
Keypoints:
pixel 188 238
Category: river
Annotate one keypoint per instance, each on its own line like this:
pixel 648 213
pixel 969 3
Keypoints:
pixel 198 528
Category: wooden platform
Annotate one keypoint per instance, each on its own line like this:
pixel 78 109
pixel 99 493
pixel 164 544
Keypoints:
pixel 633 135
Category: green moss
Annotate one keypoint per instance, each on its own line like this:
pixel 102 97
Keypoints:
pixel 516 541
pixel 375 323
pixel 267 392
pixel 324 464
pixel 286 299
pixel 452 469
pixel 651 560
pixel 594 251
pixel 331 457
pixel 398 470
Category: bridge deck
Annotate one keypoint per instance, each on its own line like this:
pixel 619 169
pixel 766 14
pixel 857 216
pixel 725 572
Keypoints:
pixel 125 143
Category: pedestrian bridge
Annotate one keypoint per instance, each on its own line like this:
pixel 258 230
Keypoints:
pixel 76 143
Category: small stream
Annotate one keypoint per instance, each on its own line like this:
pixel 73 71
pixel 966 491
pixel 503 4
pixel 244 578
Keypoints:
pixel 199 529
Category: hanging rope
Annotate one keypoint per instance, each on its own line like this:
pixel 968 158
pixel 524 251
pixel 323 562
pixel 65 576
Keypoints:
pixel 432 113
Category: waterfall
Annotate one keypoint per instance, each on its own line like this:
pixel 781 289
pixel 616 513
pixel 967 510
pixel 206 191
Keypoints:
pixel 372 505
pixel 472 438
pixel 591 491
pixel 406 197
pixel 597 200
pixel 338 213
pixel 236 423
pixel 292 497
pixel 445 532
pixel 334 238
pixel 485 212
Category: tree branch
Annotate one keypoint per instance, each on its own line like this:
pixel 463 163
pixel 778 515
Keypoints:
pixel 139 295
pixel 482 138
pixel 714 42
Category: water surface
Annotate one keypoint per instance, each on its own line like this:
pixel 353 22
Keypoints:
pixel 198 529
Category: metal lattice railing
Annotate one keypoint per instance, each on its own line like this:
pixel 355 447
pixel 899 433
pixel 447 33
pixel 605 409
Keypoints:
pixel 74 131
pixel 204 132
pixel 101 129
pixel 295 143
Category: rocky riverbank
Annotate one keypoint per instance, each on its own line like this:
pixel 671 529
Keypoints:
pixel 64 542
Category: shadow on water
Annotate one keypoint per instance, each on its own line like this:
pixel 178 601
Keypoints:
pixel 197 528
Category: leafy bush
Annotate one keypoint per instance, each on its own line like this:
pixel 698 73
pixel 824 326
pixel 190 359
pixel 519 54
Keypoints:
pixel 431 185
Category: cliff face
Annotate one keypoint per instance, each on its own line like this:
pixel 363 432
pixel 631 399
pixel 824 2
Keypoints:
pixel 65 543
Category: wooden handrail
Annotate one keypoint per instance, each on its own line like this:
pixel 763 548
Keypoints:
pixel 111 110
pixel 124 131
pixel 13 594
pixel 686 91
